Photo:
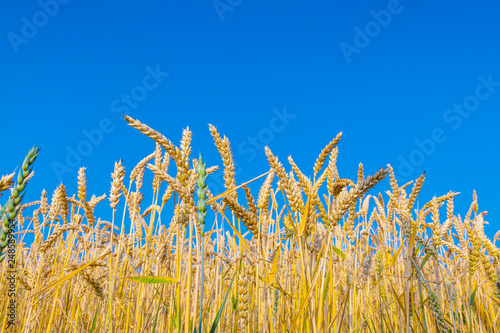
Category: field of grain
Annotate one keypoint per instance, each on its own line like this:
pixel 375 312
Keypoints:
pixel 302 255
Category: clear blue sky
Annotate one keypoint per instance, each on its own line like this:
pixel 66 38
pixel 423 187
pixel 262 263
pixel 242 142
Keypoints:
pixel 412 83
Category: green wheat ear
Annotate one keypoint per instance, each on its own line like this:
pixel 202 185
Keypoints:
pixel 9 211
pixel 202 193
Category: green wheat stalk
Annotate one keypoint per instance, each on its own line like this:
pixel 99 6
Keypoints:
pixel 202 214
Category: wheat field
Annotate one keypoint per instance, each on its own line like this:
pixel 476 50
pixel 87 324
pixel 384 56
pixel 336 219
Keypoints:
pixel 301 255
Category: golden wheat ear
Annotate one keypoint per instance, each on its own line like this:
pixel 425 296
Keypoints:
pixel 6 182
pixel 324 154
pixel 174 152
pixel 224 148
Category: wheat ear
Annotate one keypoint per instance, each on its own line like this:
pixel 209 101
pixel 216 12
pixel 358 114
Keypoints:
pixel 324 154
pixel 8 213
pixel 6 182
pixel 157 137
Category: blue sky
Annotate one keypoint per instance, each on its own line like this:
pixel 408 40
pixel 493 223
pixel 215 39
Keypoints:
pixel 412 83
